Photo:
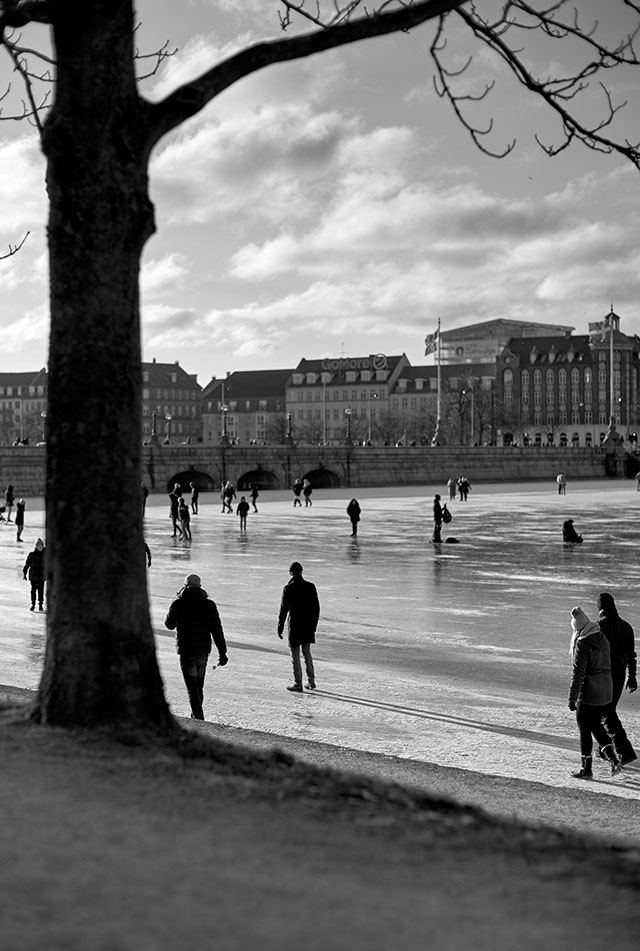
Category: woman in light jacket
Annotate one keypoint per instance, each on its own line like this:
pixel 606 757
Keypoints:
pixel 591 690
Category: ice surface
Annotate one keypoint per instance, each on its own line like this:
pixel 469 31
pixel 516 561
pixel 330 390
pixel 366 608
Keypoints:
pixel 455 654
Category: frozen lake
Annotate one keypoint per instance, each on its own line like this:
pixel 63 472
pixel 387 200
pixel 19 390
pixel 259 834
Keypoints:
pixel 452 654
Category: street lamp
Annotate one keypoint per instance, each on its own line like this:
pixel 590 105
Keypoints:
pixel 225 438
pixel 347 413
pixel 372 396
pixel 168 418
pixel 43 414
pixel 469 392
pixel 153 425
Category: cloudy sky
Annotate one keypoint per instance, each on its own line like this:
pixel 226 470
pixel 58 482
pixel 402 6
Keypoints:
pixel 336 206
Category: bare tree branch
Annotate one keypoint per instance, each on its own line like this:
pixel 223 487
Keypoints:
pixel 14 248
pixel 557 21
pixel 192 97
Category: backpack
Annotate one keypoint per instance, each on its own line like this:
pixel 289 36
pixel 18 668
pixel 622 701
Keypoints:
pixel 446 514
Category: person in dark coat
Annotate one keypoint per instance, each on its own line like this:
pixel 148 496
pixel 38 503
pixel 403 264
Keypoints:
pixel 591 690
pixel 20 507
pixel 300 604
pixel 569 533
pixel 243 510
pixel 228 497
pixel 34 569
pixel 185 519
pixel 8 499
pixel 619 633
pixel 297 489
pixel 255 492
pixel 194 617
pixel 145 495
pixel 195 493
pixel 174 512
pixel 307 489
pixel 437 520
pixel 353 511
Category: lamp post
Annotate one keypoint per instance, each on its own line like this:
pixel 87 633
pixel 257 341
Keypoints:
pixel 324 410
pixel 347 413
pixel 372 396
pixel 168 418
pixel 153 426
pixel 224 409
pixel 469 392
pixel 43 414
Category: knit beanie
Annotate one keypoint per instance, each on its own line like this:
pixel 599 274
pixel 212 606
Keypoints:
pixel 579 619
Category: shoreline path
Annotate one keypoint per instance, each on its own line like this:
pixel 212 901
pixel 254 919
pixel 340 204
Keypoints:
pixel 442 667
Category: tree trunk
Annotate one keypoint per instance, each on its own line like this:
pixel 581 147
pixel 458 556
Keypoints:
pixel 100 664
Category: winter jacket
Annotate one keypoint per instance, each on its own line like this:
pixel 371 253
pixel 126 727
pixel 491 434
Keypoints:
pixel 353 511
pixel 619 633
pixel 34 566
pixel 591 680
pixel 194 617
pixel 300 603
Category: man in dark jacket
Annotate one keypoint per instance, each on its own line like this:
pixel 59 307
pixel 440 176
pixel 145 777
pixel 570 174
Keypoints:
pixel 619 633
pixel 194 616
pixel 301 605
pixel 34 570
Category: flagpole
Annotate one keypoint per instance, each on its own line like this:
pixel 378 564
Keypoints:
pixel 611 391
pixel 436 436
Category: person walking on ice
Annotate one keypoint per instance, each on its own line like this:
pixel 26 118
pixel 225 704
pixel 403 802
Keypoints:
pixel 34 571
pixel 619 633
pixel 243 510
pixel 354 511
pixel 590 692
pixel 194 617
pixel 20 507
pixel 301 606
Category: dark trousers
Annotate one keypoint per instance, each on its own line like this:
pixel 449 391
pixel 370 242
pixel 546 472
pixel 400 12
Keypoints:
pixel 193 672
pixel 589 720
pixel 611 721
pixel 37 588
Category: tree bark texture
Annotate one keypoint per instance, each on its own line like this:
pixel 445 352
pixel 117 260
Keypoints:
pixel 100 664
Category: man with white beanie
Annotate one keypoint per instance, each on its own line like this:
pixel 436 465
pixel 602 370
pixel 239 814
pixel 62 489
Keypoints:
pixel 194 617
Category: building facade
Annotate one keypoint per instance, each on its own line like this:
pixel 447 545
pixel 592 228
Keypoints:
pixel 566 390
pixel 483 342
pixel 245 408
pixel 23 407
pixel 329 401
pixel 171 403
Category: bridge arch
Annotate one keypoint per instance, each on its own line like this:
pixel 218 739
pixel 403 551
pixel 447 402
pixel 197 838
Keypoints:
pixel 203 480
pixel 263 478
pixel 323 478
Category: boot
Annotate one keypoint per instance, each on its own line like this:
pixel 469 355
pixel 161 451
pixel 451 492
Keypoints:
pixel 610 753
pixel 585 772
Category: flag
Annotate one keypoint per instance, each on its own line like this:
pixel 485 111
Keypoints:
pixel 598 329
pixel 431 343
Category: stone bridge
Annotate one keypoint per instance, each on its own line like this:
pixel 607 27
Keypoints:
pixel 276 467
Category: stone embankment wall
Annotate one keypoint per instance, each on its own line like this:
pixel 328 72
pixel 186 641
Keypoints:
pixel 277 466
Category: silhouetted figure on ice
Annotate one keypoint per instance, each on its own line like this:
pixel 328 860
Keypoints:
pixel 569 533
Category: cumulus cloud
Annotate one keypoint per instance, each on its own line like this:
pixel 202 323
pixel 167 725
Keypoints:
pixel 22 193
pixel 161 274
pixel 256 165
pixel 32 330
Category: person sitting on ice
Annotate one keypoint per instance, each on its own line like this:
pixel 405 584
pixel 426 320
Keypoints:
pixel 569 533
